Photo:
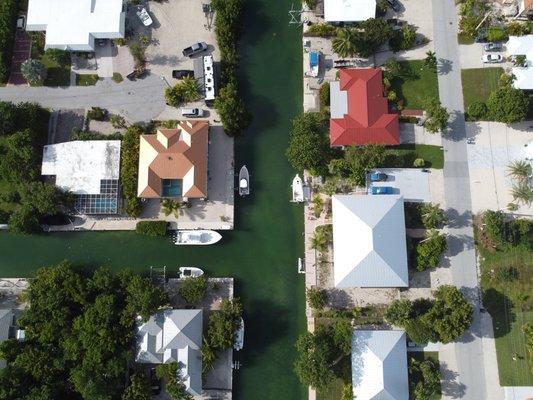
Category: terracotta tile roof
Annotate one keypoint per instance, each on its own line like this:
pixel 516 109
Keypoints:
pixel 368 119
pixel 179 153
pixel 528 4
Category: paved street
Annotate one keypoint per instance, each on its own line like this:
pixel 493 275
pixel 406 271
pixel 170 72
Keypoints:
pixel 141 100
pixel 469 365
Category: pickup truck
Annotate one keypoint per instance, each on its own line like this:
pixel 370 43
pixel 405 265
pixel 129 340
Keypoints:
pixel 194 49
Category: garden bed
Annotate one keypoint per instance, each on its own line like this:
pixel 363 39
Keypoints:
pixel 86 79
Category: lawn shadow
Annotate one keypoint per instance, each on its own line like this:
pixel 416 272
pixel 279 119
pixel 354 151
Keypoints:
pixel 500 308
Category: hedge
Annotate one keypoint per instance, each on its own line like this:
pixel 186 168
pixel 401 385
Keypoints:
pixel 129 168
pixel 151 228
pixel 8 15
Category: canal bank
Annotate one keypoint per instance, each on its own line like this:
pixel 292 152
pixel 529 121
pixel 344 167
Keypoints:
pixel 261 253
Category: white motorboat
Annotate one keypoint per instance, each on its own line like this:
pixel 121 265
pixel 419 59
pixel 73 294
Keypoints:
pixel 190 272
pixel 314 63
pixel 297 190
pixel 239 337
pixel 301 265
pixel 196 237
pixel 244 181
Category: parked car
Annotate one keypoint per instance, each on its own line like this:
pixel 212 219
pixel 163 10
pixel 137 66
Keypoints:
pixel 182 73
pixel 378 176
pixel 194 49
pixel 395 5
pixel 144 17
pixel 192 112
pixel 492 58
pixel 493 46
pixel 381 190
pixel 21 22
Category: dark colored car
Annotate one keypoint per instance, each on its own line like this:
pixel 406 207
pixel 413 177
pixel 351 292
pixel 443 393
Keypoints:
pixel 194 49
pixel 395 5
pixel 493 46
pixel 182 73
pixel 378 176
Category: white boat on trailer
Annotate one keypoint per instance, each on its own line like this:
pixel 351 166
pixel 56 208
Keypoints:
pixel 244 181
pixel 297 190
pixel 198 237
pixel 190 272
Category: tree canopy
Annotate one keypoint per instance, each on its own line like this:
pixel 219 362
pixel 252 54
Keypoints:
pixel 224 323
pixel 79 334
pixel 507 104
pixel 437 116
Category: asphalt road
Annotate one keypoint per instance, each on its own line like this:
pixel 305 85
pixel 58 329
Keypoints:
pixel 465 365
pixel 140 100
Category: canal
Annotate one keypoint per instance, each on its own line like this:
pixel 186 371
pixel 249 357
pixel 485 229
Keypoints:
pixel 261 253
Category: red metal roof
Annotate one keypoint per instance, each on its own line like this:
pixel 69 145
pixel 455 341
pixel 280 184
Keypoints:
pixel 368 119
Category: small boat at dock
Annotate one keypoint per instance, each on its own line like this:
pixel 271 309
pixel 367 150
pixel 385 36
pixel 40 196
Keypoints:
pixel 239 337
pixel 244 181
pixel 297 190
pixel 190 272
pixel 196 237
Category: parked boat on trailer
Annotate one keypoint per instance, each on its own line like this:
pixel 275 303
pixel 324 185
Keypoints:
pixel 196 237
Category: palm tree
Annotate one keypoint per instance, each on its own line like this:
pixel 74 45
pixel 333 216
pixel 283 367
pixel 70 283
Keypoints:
pixel 520 170
pixel 523 193
pixel 169 206
pixel 431 60
pixel 432 215
pixel 345 44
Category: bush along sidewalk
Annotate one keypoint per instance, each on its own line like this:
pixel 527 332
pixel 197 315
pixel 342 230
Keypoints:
pixel 228 29
pixel 151 228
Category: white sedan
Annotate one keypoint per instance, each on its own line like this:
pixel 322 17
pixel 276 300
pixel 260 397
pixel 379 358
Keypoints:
pixel 492 58
pixel 144 17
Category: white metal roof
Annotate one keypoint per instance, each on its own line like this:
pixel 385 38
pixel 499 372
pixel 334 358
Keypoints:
pixel 369 245
pixel 174 336
pixel 79 166
pixel 379 365
pixel 338 100
pixel 74 24
pixel 522 46
pixel 349 10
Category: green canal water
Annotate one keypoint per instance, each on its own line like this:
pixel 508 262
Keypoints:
pixel 261 253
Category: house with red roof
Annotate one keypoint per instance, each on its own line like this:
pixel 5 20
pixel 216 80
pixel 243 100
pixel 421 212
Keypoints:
pixel 359 111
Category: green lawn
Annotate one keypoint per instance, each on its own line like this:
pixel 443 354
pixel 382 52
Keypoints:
pixel 414 84
pixel 433 155
pixel 333 392
pixel 86 79
pixel 57 75
pixel 511 306
pixel 422 356
pixel 478 83
pixel 465 39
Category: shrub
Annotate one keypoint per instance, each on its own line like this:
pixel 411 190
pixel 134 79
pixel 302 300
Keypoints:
pixel 129 168
pixel 324 95
pixel 507 104
pixel 496 34
pixel 515 28
pixel 33 71
pixel 117 121
pixel 117 77
pixel 186 90
pixel 494 226
pixel 419 162
pixel 97 114
pixel 61 57
pixel 8 14
pixel 429 250
pixel 232 109
pixel 193 289
pixel 317 298
pixel 228 27
pixel 137 52
pixel 477 110
pixel 404 38
pixel 224 323
pixel 323 30
pixel 399 312
pixel 151 228
pixel 437 116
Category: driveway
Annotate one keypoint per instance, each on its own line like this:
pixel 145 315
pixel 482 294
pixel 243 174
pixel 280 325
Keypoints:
pixel 469 370
pixel 177 25
pixel 412 184
pixel 141 100
pixel 471 57
pixel 21 52
pixel 496 146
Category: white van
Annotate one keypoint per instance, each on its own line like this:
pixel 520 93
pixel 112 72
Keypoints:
pixel 192 112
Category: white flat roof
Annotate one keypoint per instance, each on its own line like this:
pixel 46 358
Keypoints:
pixel 522 46
pixel 349 10
pixel 369 244
pixel 79 166
pixel 379 365
pixel 69 24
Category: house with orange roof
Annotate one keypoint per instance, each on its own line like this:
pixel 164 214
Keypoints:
pixel 173 162
pixel 359 111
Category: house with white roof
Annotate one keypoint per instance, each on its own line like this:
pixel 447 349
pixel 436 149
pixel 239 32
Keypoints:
pixel 87 168
pixel 9 328
pixel 75 24
pixel 174 336
pixel 369 242
pixel 379 365
pixel 349 10
pixel 522 46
